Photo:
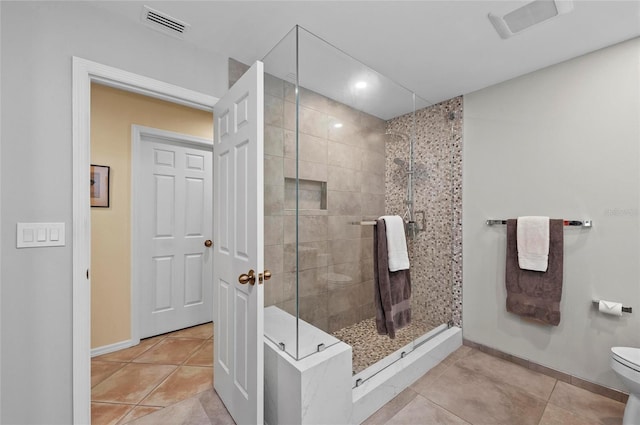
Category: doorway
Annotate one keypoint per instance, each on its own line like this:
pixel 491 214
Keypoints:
pixel 84 73
pixel 121 291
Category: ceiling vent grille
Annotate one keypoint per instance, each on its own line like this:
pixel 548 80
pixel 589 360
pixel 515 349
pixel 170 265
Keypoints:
pixel 529 15
pixel 164 23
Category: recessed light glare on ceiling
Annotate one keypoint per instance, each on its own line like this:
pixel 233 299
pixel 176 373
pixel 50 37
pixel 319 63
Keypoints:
pixel 529 15
pixel 337 125
pixel 361 84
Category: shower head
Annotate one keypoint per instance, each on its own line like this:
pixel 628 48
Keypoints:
pixel 397 134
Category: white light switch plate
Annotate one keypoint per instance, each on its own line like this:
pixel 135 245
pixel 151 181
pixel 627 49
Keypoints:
pixel 35 235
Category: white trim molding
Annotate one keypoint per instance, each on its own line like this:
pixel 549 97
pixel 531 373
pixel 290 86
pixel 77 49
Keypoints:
pixel 106 349
pixel 84 73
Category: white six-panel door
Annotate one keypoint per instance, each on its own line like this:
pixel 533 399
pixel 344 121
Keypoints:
pixel 173 221
pixel 239 247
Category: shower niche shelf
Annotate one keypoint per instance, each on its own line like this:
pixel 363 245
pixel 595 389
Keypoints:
pixel 312 194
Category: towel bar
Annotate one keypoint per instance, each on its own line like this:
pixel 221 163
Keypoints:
pixel 581 223
pixel 624 309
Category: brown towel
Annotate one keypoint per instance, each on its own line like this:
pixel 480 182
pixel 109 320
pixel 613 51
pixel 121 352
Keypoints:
pixel 532 294
pixel 392 289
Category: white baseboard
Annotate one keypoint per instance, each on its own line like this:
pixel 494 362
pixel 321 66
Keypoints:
pixel 106 349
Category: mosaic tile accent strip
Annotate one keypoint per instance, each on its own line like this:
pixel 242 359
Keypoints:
pixel 436 252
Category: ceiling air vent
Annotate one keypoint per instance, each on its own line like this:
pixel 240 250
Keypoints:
pixel 164 23
pixel 529 15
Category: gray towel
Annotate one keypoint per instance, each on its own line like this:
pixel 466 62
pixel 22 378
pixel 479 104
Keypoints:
pixel 392 289
pixel 532 294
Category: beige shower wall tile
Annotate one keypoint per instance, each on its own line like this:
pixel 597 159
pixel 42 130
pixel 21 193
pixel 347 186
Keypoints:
pixel 366 264
pixel 343 113
pixel 273 111
pixel 310 148
pixel 343 319
pixel 273 230
pixel 345 156
pixel 273 200
pixel 306 170
pixel 349 134
pixel 273 86
pixel 273 140
pixel 373 162
pixel 310 228
pixel 372 183
pixel 274 258
pixel 344 251
pixel 310 255
pixel 366 249
pixel 343 227
pixel 349 297
pixel 273 170
pixel 343 179
pixel 372 205
pixel 313 100
pixel 310 281
pixel 343 275
pixel 343 203
pixel 274 290
pixel 310 121
pixel 313 309
pixel 374 140
pixel 289 91
pixel 236 70
pixel 371 122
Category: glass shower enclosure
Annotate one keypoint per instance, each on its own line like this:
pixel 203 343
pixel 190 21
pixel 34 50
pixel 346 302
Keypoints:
pixel 345 145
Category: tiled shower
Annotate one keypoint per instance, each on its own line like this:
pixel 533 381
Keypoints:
pixel 334 158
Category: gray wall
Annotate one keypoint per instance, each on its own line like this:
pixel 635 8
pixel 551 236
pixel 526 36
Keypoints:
pixel 563 142
pixel 38 41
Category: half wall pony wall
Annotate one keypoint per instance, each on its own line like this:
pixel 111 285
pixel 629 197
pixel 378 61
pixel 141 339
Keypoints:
pixel 563 142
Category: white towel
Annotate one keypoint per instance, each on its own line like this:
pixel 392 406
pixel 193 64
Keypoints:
pixel 396 243
pixel 533 243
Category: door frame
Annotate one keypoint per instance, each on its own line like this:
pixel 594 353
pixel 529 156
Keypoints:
pixel 85 72
pixel 137 133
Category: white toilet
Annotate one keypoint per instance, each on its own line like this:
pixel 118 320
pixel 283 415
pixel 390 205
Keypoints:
pixel 625 361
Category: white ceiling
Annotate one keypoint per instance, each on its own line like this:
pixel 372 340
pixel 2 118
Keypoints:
pixel 438 49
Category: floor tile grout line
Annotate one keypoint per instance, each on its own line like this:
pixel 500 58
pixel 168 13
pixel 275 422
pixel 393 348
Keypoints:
pixel 445 409
pixel 177 367
pixel 110 375
pixel 498 381
pixel 197 349
pixel 575 413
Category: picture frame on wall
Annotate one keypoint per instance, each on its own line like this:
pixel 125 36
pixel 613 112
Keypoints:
pixel 99 186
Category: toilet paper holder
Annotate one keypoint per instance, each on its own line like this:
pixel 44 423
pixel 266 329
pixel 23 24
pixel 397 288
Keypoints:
pixel 624 309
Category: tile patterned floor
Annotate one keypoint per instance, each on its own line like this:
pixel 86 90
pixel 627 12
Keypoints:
pixel 471 387
pixel 468 388
pixel 159 372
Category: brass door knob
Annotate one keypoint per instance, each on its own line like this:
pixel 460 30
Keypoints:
pixel 247 278
pixel 208 243
pixel 264 276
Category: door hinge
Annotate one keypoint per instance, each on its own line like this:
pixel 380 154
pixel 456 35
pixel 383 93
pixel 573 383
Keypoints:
pixel 87 274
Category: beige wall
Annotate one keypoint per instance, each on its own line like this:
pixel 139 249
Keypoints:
pixel 112 114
